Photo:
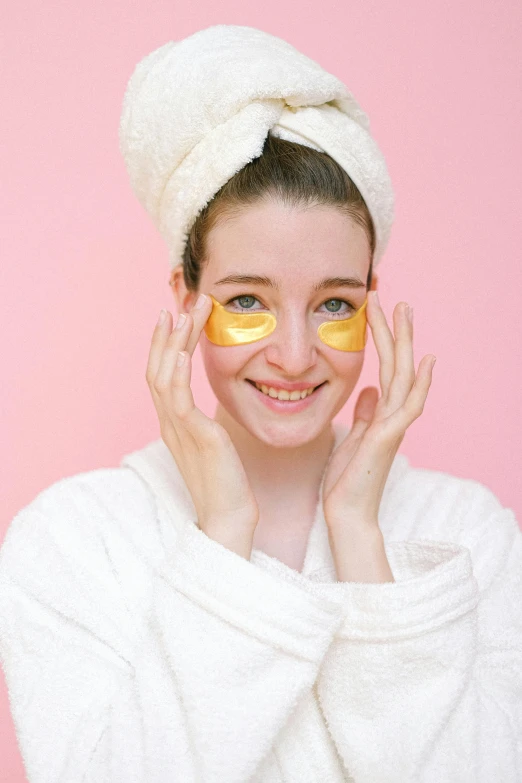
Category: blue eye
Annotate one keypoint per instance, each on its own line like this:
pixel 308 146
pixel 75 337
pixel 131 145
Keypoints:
pixel 248 305
pixel 245 305
pixel 340 313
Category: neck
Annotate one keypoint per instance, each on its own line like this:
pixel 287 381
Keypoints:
pixel 275 473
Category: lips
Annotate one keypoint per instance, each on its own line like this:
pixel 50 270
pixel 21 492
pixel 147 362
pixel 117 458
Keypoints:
pixel 290 387
pixel 286 406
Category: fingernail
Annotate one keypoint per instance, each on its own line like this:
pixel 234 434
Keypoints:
pixel 161 318
pixel 181 320
pixel 201 301
pixel 433 360
pixel 376 297
pixel 409 313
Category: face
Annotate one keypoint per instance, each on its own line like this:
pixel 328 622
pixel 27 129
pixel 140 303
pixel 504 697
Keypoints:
pixel 296 248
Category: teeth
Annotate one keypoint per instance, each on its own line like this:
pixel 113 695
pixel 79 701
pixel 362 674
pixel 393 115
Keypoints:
pixel 283 394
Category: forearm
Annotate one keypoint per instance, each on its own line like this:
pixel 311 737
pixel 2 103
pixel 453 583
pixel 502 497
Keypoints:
pixel 359 555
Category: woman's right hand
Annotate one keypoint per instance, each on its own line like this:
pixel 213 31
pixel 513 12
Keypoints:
pixel 206 457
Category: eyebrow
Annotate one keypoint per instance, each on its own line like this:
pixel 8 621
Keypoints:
pixel 326 282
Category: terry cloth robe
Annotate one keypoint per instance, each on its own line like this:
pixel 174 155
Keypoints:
pixel 136 649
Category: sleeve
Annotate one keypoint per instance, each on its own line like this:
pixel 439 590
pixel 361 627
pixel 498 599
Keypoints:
pixel 423 681
pixel 194 688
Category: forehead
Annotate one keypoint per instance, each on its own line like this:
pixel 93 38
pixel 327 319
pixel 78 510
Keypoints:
pixel 292 245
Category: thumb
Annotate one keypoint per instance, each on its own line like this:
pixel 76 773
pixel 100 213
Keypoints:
pixel 365 405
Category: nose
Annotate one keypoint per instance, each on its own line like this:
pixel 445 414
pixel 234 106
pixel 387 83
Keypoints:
pixel 292 348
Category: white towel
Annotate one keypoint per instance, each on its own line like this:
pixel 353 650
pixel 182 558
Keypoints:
pixel 198 110
pixel 136 649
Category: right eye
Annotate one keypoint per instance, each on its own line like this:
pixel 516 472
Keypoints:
pixel 244 302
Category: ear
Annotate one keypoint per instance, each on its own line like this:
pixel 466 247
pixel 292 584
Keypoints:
pixel 373 285
pixel 184 298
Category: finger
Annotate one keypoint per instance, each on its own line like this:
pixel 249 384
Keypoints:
pixel 182 398
pixel 416 400
pixel 384 342
pixel 350 442
pixel 365 405
pixel 159 339
pixel 162 334
pixel 344 452
pixel 200 315
pixel 359 427
pixel 207 433
pixel 404 375
pixel 173 385
pixel 175 342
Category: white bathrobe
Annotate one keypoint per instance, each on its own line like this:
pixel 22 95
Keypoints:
pixel 138 650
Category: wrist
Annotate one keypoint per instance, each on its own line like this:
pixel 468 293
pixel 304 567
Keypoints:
pixel 359 554
pixel 237 538
pixel 240 546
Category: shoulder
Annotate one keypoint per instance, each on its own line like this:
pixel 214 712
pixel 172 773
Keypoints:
pixel 427 494
pixel 78 507
pixel 426 504
pixel 78 551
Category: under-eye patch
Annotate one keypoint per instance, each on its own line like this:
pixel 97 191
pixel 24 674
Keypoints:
pixel 226 328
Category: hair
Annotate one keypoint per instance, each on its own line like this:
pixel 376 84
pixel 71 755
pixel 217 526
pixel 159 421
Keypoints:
pixel 295 174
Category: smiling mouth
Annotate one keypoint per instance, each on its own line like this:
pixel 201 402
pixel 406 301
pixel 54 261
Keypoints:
pixel 253 383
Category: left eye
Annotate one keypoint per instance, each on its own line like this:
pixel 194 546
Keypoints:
pixel 245 304
pixel 242 299
pixel 339 312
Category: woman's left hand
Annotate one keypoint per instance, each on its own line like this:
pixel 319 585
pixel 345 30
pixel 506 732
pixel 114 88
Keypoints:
pixel 358 468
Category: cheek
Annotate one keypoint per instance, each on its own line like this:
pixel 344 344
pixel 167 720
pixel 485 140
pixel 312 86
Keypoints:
pixel 347 366
pixel 347 369
pixel 223 364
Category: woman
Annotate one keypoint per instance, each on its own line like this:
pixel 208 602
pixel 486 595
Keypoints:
pixel 266 596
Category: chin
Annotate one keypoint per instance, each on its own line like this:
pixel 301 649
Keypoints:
pixel 284 435
pixel 277 431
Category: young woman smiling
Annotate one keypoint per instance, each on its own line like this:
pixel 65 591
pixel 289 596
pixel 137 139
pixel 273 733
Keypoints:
pixel 265 596
pixel 265 456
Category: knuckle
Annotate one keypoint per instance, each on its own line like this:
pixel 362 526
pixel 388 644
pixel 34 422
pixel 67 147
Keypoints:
pixel 406 374
pixel 184 409
pixel 187 321
pixel 160 385
pixel 172 339
pixel 149 376
pixel 402 378
pixel 177 382
pixel 415 408
pixel 182 412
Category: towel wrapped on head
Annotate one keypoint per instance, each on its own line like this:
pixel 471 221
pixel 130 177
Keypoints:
pixel 198 110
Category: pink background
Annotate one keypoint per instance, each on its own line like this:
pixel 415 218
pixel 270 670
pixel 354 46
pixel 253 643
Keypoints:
pixel 84 272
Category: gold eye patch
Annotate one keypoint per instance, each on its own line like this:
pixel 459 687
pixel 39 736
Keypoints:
pixel 226 328
pixel 348 334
